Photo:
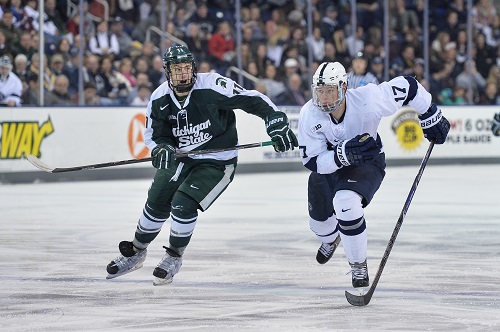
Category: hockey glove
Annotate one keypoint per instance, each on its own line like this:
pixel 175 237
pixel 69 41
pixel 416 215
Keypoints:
pixel 434 125
pixel 356 151
pixel 164 155
pixel 495 126
pixel 277 128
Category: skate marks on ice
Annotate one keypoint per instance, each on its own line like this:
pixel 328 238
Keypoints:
pixel 251 263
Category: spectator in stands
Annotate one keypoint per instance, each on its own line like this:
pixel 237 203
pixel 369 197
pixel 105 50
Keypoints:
pixel 462 48
pixel 76 44
pixel 196 41
pixel 490 95
pixel 355 42
pixel 116 85
pixel 293 94
pixel 377 68
pixel 204 21
pixel 403 64
pixel 274 86
pixel 123 38
pixel 181 21
pixel 261 58
pixel 156 73
pixel 59 96
pixel 30 95
pixel 91 72
pixel 58 66
pixel 48 82
pixel 90 97
pixel 125 68
pixel 297 40
pixel 330 53
pixel 403 20
pixel 452 96
pixel 471 80
pixel 452 25
pixel 5 48
pixel 458 6
pixel 418 69
pixel 141 65
pixel 148 51
pixel 329 23
pixel 246 57
pixel 11 86
pixel 141 79
pixel 21 67
pixel 221 47
pixel 54 23
pixel 278 32
pixel 359 74
pixel 484 54
pixel 317 44
pixel 73 25
pixel 63 48
pixel 143 95
pixel 24 46
pixel 204 67
pixel 29 17
pixel 104 42
pixel 369 13
pixel 11 32
pixel 17 11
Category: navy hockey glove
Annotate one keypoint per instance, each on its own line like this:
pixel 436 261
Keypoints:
pixel 356 151
pixel 277 128
pixel 434 125
pixel 164 155
pixel 495 126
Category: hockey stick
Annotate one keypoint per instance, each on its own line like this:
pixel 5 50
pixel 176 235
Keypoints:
pixel 44 167
pixel 362 300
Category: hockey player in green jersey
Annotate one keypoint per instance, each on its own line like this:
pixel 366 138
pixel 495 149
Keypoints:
pixel 190 112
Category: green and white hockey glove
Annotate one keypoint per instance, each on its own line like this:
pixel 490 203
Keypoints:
pixel 277 128
pixel 495 126
pixel 164 155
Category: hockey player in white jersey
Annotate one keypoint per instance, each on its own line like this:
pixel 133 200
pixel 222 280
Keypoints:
pixel 11 86
pixel 341 147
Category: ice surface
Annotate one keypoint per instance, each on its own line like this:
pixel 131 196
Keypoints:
pixel 251 263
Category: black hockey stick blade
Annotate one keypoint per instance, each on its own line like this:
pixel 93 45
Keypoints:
pixel 46 168
pixel 362 300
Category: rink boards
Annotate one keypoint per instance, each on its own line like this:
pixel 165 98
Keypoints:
pixel 71 136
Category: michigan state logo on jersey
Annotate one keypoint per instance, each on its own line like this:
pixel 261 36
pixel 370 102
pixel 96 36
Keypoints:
pixel 190 134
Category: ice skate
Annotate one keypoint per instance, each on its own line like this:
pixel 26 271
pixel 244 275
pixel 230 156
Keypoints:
pixel 325 252
pixel 167 268
pixel 129 260
pixel 359 273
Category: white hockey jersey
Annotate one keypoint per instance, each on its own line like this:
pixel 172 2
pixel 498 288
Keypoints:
pixel 11 89
pixel 365 107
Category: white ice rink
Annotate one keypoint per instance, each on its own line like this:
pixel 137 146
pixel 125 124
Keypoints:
pixel 251 263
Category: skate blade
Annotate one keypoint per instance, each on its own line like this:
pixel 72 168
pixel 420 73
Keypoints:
pixel 160 281
pixel 112 276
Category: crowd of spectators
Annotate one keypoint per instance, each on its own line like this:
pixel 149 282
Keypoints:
pixel 122 66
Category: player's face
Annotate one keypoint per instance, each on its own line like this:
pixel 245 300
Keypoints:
pixel 327 94
pixel 181 73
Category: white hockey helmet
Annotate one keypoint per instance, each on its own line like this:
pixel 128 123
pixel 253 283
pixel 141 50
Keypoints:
pixel 5 67
pixel 329 74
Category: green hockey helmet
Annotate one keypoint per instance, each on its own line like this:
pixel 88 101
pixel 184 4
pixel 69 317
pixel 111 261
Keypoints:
pixel 174 55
